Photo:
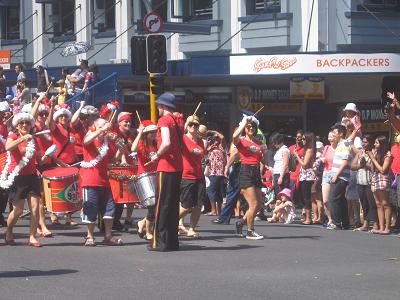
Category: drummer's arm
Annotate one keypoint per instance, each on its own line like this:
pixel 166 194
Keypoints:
pixel 12 144
pixel 91 135
pixel 165 141
pixel 51 123
pixel 137 139
pixel 35 107
pixel 75 116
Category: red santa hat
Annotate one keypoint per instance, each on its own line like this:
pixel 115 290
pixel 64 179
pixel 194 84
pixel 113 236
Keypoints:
pixel 108 108
pixel 148 126
pixel 62 109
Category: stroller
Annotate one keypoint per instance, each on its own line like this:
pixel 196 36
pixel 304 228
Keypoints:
pixel 267 193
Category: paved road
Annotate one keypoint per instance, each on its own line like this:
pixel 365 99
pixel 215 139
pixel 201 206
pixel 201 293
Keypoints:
pixel 293 262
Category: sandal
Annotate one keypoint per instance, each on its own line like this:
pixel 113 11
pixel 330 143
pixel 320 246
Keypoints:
pixel 89 242
pixel 140 233
pixel 194 235
pixel 182 230
pixel 71 223
pixel 149 237
pixel 47 234
pixel 113 241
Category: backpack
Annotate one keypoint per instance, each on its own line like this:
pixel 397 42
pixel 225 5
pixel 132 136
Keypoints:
pixel 292 162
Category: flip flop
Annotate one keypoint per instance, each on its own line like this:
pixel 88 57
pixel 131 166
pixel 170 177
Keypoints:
pixel 139 233
pixel 194 235
pixel 89 242
pixel 113 241
pixel 182 230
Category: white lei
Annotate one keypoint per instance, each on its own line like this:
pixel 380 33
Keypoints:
pixel 102 152
pixel 2 140
pixel 8 179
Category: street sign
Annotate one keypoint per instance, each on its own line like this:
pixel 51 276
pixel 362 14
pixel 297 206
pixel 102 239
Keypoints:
pixel 153 23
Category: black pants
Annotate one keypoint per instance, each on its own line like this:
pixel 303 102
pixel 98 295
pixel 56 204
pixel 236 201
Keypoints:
pixel 165 237
pixel 338 203
pixel 305 187
pixel 367 201
pixel 285 183
pixel 119 208
pixel 3 204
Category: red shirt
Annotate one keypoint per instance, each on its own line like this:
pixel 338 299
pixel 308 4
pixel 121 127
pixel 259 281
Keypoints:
pixel 192 154
pixel 144 154
pixel 115 135
pixel 171 160
pixel 18 153
pixel 395 151
pixel 80 133
pixel 43 142
pixel 300 150
pixel 4 135
pixel 60 135
pixel 249 151
pixel 95 176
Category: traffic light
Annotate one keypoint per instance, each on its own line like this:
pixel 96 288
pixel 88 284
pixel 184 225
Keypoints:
pixel 156 54
pixel 138 55
pixel 156 84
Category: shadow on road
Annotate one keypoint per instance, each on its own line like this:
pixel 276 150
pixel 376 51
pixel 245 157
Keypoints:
pixel 186 247
pixel 311 237
pixel 32 273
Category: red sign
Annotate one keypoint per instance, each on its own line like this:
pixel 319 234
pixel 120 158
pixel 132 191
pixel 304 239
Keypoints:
pixel 5 59
pixel 153 22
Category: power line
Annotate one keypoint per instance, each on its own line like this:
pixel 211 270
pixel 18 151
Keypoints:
pixel 309 25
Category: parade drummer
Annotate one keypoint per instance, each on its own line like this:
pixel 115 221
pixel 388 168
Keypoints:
pixel 145 145
pixel 63 135
pixel 4 109
pixel 123 137
pixel 40 112
pixel 81 120
pixel 19 176
pixel 193 185
pixel 169 168
pixel 251 152
pixel 97 196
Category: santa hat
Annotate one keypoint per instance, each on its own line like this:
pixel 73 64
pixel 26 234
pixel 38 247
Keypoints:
pixel 27 108
pixel 124 116
pixel 23 116
pixel 4 106
pixel 108 108
pixel 89 110
pixel 62 109
pixel 43 107
pixel 148 126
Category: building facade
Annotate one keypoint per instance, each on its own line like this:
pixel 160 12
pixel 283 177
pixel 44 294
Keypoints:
pixel 200 65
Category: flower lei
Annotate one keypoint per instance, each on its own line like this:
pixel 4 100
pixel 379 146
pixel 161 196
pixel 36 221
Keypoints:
pixel 102 153
pixel 8 179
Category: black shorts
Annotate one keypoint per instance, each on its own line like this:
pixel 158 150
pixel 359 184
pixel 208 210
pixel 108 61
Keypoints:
pixel 193 192
pixel 23 186
pixel 249 176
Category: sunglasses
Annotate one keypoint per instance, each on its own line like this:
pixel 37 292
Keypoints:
pixel 24 123
pixel 193 124
pixel 43 114
pixel 64 116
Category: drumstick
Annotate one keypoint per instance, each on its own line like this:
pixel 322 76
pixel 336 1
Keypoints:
pixel 197 108
pixel 148 163
pixel 75 164
pixel 258 111
pixel 8 120
pixel 112 116
pixel 138 116
pixel 42 132
pixel 48 88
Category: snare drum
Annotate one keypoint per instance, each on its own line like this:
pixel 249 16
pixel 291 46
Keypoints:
pixel 60 187
pixel 145 186
pixel 119 178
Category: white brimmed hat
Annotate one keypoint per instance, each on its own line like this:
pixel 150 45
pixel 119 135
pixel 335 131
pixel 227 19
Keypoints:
pixel 89 110
pixel 4 106
pixel 351 107
pixel 23 116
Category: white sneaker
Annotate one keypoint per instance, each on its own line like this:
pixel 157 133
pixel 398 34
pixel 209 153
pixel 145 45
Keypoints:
pixel 252 235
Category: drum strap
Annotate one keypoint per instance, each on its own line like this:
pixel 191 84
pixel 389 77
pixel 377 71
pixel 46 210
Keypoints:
pixel 66 144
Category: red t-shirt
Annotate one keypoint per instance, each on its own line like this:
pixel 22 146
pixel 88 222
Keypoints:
pixel 300 150
pixel 171 160
pixel 4 135
pixel 144 154
pixel 18 153
pixel 60 135
pixel 192 154
pixel 395 151
pixel 43 142
pixel 95 176
pixel 249 151
pixel 115 136
pixel 80 133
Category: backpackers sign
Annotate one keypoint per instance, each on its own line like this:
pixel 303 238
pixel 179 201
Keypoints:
pixel 5 59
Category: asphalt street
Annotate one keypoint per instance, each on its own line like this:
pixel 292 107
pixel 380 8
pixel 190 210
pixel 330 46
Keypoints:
pixel 292 262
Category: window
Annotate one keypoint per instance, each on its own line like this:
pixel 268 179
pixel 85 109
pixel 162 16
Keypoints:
pixel 9 21
pixel 380 5
pixel 193 9
pixel 255 7
pixel 158 6
pixel 105 8
pixel 59 17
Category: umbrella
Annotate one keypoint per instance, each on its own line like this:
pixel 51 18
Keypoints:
pixel 75 48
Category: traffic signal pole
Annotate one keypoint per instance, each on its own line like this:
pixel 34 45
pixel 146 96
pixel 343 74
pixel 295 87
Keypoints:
pixel 153 109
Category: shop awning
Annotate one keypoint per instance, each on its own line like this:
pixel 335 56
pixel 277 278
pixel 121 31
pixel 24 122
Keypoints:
pixel 9 3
